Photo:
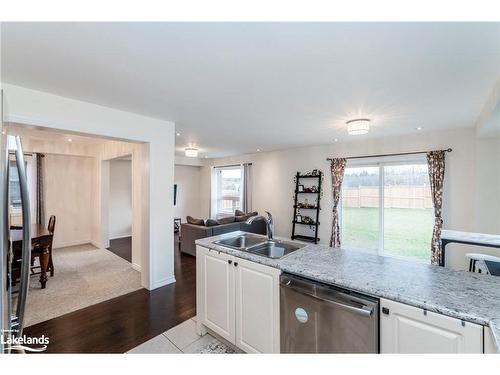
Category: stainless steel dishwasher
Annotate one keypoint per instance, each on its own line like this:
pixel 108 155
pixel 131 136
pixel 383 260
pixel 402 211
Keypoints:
pixel 318 318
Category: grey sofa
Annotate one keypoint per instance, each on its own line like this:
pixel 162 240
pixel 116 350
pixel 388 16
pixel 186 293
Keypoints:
pixel 191 232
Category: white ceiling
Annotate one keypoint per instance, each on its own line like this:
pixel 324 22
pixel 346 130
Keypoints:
pixel 46 134
pixel 234 87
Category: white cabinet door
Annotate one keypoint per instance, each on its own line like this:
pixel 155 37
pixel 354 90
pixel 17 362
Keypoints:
pixel 257 307
pixel 406 329
pixel 216 294
pixel 489 341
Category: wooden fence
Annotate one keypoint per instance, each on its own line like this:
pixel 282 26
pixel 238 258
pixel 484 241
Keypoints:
pixel 401 196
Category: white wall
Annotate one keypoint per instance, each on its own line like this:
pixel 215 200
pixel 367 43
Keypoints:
pixel 68 171
pixel 189 193
pixel 120 198
pixel 41 109
pixel 68 189
pixel 273 185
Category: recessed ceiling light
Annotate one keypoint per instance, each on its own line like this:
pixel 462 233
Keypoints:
pixel 258 150
pixel 191 152
pixel 70 140
pixel 206 157
pixel 178 134
pixel 336 140
pixel 358 126
pixel 419 128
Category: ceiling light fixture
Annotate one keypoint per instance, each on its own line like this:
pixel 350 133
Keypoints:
pixel 419 128
pixel 191 152
pixel 258 150
pixel 336 140
pixel 358 126
pixel 178 134
pixel 70 140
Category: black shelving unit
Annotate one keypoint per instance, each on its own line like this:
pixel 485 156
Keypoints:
pixel 317 207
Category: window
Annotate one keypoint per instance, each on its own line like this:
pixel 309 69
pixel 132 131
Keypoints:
pixel 15 192
pixel 387 208
pixel 14 189
pixel 226 188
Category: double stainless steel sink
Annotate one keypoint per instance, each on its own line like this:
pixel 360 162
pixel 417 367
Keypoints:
pixel 259 246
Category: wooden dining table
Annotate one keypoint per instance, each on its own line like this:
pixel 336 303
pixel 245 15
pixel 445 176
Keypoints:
pixel 38 234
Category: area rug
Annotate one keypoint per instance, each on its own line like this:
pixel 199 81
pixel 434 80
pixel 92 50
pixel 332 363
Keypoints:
pixel 84 276
pixel 217 348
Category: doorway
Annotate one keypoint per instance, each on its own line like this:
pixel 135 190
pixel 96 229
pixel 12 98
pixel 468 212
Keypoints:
pixel 120 207
pixel 66 183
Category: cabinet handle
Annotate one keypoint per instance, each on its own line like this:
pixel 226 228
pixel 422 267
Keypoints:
pixel 385 310
pixel 230 261
pixel 236 264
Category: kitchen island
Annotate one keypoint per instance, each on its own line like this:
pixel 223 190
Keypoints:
pixel 462 295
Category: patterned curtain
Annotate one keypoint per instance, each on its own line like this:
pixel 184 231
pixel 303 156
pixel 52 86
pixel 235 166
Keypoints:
pixel 40 196
pixel 337 167
pixel 435 162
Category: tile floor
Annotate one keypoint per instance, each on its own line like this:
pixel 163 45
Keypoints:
pixel 183 339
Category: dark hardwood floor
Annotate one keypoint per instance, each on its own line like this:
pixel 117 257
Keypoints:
pixel 122 247
pixel 120 324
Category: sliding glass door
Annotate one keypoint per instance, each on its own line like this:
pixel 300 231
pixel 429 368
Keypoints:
pixel 387 208
pixel 408 213
pixel 361 208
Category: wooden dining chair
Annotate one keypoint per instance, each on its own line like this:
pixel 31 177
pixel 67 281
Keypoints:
pixel 43 251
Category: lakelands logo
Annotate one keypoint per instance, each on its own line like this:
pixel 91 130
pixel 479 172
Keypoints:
pixel 24 343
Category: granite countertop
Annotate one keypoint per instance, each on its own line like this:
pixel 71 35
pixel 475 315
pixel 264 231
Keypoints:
pixel 464 295
pixel 478 238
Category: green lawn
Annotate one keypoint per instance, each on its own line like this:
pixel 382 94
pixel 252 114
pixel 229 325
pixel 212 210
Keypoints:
pixel 407 231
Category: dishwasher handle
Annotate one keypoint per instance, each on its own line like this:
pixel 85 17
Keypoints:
pixel 364 310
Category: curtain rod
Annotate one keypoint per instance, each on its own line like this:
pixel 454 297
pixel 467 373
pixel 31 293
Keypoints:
pixel 397 154
pixel 232 165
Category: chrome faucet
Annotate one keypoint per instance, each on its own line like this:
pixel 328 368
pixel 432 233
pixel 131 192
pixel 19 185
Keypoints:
pixel 269 224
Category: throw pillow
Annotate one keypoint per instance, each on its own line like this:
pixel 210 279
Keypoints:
pixel 192 220
pixel 226 220
pixel 241 218
pixel 211 223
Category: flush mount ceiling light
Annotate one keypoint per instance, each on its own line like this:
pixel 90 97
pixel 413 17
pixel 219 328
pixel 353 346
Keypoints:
pixel 191 152
pixel 358 126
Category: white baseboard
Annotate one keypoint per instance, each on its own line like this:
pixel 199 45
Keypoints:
pixel 163 282
pixel 136 267
pixel 123 235
pixel 73 243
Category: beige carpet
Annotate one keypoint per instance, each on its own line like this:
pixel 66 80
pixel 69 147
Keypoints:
pixel 84 276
